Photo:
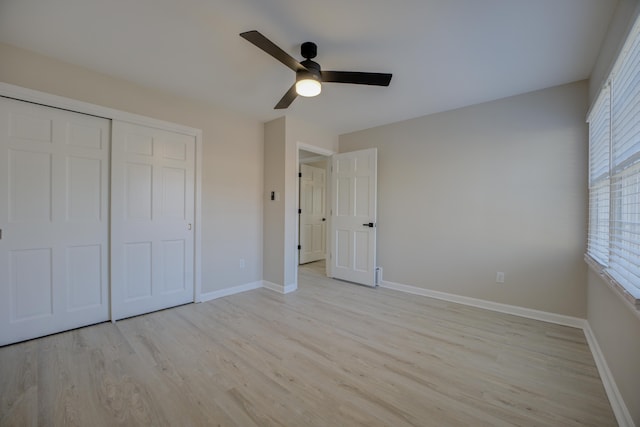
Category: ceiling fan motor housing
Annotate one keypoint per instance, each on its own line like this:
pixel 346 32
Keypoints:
pixel 309 50
pixel 312 70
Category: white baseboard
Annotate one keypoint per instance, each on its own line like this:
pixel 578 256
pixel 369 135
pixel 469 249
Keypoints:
pixel 230 291
pixel 615 398
pixel 290 288
pixel 529 313
pixel 247 287
pixel 279 288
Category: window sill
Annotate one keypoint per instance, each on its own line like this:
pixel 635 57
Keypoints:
pixel 631 296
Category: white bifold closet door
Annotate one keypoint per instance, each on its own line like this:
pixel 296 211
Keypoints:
pixel 54 189
pixel 152 218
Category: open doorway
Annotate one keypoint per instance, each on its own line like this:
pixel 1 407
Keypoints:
pixel 313 211
pixel 350 213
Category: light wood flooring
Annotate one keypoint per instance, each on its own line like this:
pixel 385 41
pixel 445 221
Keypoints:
pixel 329 354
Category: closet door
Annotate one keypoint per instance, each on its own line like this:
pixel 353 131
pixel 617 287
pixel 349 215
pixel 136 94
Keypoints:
pixel 54 167
pixel 152 214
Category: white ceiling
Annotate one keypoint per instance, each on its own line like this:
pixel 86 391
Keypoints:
pixel 443 54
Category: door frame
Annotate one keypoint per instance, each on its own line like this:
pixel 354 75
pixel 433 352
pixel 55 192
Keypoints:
pixel 322 152
pixel 29 95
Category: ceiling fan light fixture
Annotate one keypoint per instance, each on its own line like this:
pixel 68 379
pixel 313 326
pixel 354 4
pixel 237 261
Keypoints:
pixel 308 87
pixel 308 80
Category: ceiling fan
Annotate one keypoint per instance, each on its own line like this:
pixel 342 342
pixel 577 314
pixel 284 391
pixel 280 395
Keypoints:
pixel 309 76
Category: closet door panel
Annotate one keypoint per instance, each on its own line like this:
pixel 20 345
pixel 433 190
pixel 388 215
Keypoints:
pixel 152 208
pixel 53 214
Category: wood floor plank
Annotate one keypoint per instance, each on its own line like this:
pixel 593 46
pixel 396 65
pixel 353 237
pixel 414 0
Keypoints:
pixel 18 384
pixel 329 354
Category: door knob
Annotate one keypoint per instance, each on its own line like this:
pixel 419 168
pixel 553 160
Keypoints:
pixel 370 224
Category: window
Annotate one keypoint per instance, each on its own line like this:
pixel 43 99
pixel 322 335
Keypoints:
pixel 614 173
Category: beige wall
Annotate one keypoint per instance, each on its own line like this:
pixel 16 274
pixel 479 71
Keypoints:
pixel 232 156
pixel 499 186
pixel 274 211
pixel 617 329
pixel 322 164
pixel 282 137
pixel 615 324
pixel 300 132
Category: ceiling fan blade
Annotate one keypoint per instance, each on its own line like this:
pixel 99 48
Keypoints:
pixel 287 99
pixel 356 77
pixel 269 47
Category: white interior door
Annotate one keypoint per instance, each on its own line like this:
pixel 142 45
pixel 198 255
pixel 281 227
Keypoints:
pixel 313 219
pixel 54 167
pixel 152 214
pixel 353 220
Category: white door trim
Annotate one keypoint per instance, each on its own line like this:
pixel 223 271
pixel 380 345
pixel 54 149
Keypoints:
pixel 37 97
pixel 24 94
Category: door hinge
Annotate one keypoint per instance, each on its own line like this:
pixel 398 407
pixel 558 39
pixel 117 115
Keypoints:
pixel 299 211
pixel 299 174
pixel 299 247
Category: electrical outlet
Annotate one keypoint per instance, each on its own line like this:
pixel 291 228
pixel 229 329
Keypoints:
pixel 242 264
pixel 500 277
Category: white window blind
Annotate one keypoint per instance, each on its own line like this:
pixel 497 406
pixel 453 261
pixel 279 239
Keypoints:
pixel 598 237
pixel 625 109
pixel 624 257
pixel 614 172
pixel 599 136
